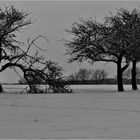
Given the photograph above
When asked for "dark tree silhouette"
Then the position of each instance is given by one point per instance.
(12, 21)
(94, 42)
(34, 67)
(131, 23)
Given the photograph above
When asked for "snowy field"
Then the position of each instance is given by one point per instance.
(97, 111)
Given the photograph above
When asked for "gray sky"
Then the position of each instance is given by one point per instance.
(53, 17)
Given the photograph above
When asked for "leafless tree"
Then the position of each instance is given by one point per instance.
(35, 68)
(12, 21)
(130, 22)
(99, 74)
(82, 74)
(93, 41)
(15, 54)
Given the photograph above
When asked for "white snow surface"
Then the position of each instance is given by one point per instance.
(97, 112)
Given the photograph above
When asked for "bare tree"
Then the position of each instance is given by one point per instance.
(12, 21)
(94, 42)
(131, 23)
(34, 67)
(82, 74)
(99, 74)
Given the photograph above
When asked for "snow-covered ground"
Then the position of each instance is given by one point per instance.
(97, 111)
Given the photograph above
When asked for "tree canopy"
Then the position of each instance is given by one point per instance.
(116, 40)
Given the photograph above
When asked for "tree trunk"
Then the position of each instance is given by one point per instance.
(134, 79)
(119, 77)
(1, 89)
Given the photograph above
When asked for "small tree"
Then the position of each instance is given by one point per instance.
(82, 74)
(99, 74)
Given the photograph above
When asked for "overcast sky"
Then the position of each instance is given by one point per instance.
(53, 17)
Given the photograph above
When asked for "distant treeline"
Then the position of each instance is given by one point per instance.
(90, 77)
(108, 81)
